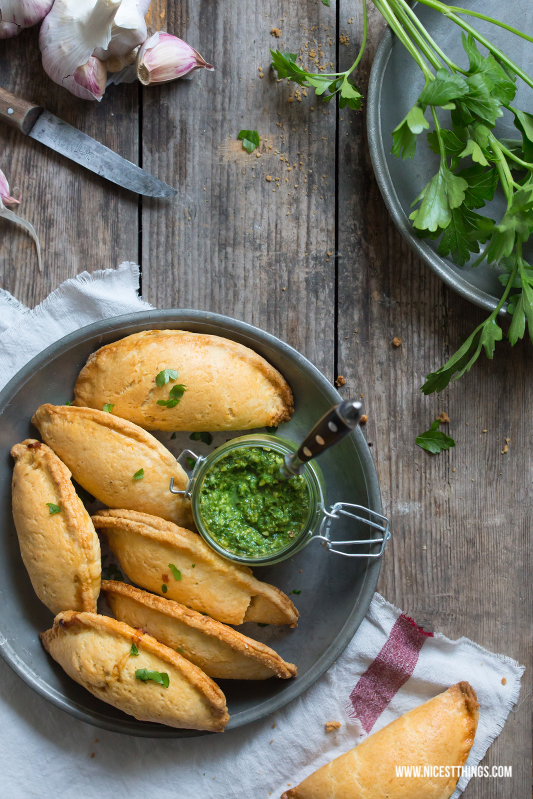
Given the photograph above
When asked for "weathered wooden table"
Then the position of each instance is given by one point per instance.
(312, 257)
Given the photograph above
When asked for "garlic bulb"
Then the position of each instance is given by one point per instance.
(164, 57)
(128, 31)
(70, 34)
(18, 14)
(7, 202)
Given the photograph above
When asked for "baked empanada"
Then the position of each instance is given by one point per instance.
(438, 733)
(149, 549)
(226, 386)
(218, 650)
(135, 673)
(58, 542)
(106, 455)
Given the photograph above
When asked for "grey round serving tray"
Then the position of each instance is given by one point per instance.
(395, 83)
(335, 591)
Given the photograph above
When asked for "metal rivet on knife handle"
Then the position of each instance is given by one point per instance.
(19, 114)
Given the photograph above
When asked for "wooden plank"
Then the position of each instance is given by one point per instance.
(83, 221)
(460, 560)
(233, 241)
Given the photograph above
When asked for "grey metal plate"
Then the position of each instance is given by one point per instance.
(395, 83)
(335, 591)
(71, 142)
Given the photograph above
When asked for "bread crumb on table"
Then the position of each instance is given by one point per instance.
(340, 381)
(332, 725)
(504, 680)
(275, 32)
(364, 419)
(396, 341)
(443, 417)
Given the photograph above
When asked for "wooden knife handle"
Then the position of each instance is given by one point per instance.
(18, 113)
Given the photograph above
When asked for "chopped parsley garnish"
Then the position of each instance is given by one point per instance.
(175, 394)
(161, 678)
(112, 573)
(173, 436)
(108, 407)
(134, 651)
(139, 475)
(433, 440)
(54, 508)
(176, 572)
(205, 438)
(68, 402)
(193, 565)
(166, 375)
(180, 650)
(261, 624)
(164, 588)
(294, 591)
(250, 139)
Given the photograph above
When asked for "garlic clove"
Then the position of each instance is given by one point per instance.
(18, 14)
(89, 81)
(8, 30)
(7, 200)
(164, 57)
(129, 30)
(69, 35)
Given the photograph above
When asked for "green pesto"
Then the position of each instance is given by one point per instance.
(247, 508)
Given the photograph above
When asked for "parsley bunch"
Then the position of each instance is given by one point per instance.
(473, 161)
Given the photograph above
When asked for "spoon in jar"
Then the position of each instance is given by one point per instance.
(332, 428)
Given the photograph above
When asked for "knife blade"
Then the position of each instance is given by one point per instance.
(38, 124)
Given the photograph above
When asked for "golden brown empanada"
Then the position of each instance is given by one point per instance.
(111, 659)
(60, 548)
(227, 386)
(146, 546)
(218, 650)
(438, 733)
(104, 453)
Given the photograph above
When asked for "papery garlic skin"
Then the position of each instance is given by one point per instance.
(164, 57)
(128, 31)
(7, 201)
(18, 14)
(69, 36)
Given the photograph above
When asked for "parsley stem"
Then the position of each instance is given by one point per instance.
(388, 14)
(478, 15)
(439, 136)
(407, 11)
(363, 40)
(446, 10)
(511, 155)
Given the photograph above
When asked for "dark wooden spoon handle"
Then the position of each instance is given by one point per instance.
(18, 113)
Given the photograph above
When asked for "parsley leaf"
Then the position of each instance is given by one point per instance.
(433, 440)
(134, 651)
(250, 139)
(112, 573)
(139, 475)
(444, 192)
(176, 572)
(68, 402)
(404, 135)
(164, 588)
(206, 438)
(161, 678)
(295, 592)
(444, 88)
(175, 394)
(326, 3)
(167, 374)
(53, 508)
(108, 407)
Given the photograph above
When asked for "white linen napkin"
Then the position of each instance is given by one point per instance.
(390, 666)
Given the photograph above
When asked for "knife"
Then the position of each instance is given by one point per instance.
(38, 124)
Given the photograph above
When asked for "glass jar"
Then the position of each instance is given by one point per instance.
(318, 522)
